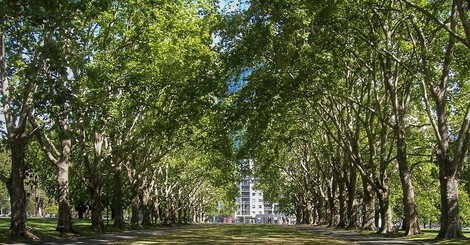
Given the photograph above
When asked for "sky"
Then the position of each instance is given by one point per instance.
(230, 6)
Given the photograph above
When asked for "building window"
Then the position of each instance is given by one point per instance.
(254, 194)
(260, 194)
(260, 212)
(260, 206)
(253, 212)
(260, 200)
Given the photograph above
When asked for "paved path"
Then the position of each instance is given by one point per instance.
(356, 237)
(347, 235)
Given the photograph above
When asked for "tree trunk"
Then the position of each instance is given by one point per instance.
(411, 215)
(96, 215)
(319, 216)
(95, 183)
(167, 212)
(409, 204)
(450, 217)
(117, 198)
(342, 209)
(135, 207)
(65, 217)
(180, 214)
(146, 221)
(156, 210)
(173, 212)
(62, 167)
(386, 225)
(18, 223)
(352, 201)
(331, 202)
(298, 210)
(309, 212)
(368, 214)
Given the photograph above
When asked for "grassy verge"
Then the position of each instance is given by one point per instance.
(430, 234)
(235, 234)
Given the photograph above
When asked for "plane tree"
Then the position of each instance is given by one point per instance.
(442, 45)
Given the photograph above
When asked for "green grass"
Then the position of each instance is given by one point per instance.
(235, 234)
(430, 235)
(45, 229)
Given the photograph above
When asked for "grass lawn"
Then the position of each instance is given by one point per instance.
(430, 234)
(45, 228)
(236, 234)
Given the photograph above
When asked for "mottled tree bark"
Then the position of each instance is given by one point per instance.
(146, 209)
(352, 201)
(331, 202)
(117, 198)
(342, 208)
(135, 207)
(386, 225)
(95, 181)
(450, 217)
(18, 224)
(62, 167)
(65, 217)
(96, 214)
(368, 214)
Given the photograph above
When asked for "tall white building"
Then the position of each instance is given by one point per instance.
(251, 206)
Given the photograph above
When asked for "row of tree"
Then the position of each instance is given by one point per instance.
(113, 93)
(345, 104)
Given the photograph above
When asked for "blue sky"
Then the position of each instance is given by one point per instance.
(230, 6)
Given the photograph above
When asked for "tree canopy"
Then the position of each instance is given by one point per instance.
(350, 110)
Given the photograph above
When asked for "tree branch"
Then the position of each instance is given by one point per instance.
(46, 144)
(464, 18)
(463, 140)
(441, 24)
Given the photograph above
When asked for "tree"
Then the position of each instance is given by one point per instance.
(66, 61)
(437, 67)
(22, 46)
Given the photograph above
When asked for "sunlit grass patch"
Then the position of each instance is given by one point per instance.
(45, 229)
(431, 234)
(233, 234)
(40, 227)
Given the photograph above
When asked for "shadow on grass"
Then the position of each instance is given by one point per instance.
(45, 229)
(234, 234)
